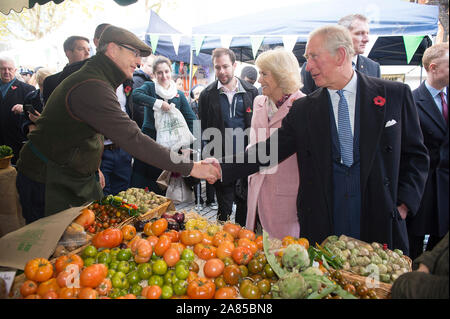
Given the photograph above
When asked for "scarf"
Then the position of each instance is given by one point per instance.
(168, 93)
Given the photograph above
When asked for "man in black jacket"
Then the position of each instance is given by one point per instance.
(141, 75)
(227, 105)
(358, 26)
(12, 94)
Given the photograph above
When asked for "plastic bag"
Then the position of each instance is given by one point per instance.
(178, 191)
(172, 130)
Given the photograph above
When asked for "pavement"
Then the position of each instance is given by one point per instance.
(205, 211)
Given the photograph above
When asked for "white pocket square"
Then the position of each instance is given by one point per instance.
(390, 123)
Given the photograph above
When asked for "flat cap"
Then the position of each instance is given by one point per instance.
(122, 36)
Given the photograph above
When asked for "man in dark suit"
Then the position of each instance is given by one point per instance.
(431, 99)
(358, 26)
(361, 156)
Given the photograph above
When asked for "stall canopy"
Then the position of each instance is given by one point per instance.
(17, 5)
(169, 42)
(400, 27)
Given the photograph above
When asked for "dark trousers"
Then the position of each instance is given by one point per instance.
(145, 175)
(210, 193)
(32, 198)
(416, 245)
(116, 167)
(225, 197)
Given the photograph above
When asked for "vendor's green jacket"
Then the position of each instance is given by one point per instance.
(64, 151)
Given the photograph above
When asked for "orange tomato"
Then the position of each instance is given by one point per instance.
(225, 249)
(46, 286)
(38, 269)
(88, 293)
(232, 229)
(287, 240)
(144, 248)
(86, 218)
(50, 295)
(63, 261)
(226, 293)
(128, 232)
(153, 292)
(259, 242)
(246, 233)
(222, 236)
(148, 229)
(66, 277)
(153, 240)
(105, 287)
(304, 242)
(69, 293)
(207, 239)
(173, 235)
(93, 275)
(171, 256)
(141, 260)
(29, 287)
(245, 242)
(33, 296)
(207, 252)
(162, 245)
(213, 268)
(108, 238)
(192, 276)
(133, 244)
(191, 237)
(201, 288)
(178, 246)
(232, 274)
(159, 226)
(242, 255)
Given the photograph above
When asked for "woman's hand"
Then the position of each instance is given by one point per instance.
(34, 117)
(165, 106)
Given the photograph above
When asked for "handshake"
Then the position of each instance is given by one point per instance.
(208, 169)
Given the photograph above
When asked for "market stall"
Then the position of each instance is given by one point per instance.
(135, 245)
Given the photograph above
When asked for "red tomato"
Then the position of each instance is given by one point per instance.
(242, 255)
(213, 268)
(108, 238)
(201, 288)
(232, 229)
(245, 233)
(153, 292)
(162, 245)
(29, 287)
(226, 293)
(171, 256)
(93, 275)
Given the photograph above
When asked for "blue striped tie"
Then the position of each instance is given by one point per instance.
(345, 130)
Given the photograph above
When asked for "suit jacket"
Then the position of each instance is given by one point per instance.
(363, 65)
(393, 158)
(432, 217)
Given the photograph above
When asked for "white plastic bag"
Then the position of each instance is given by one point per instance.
(178, 191)
(172, 130)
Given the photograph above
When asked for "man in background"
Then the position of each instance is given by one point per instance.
(142, 74)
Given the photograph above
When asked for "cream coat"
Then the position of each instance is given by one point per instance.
(274, 192)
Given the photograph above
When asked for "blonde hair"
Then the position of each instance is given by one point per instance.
(434, 52)
(335, 37)
(42, 73)
(283, 66)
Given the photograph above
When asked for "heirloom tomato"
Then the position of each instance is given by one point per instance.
(222, 236)
(242, 255)
(232, 229)
(226, 293)
(128, 232)
(162, 245)
(153, 292)
(38, 269)
(201, 288)
(63, 261)
(159, 226)
(29, 287)
(49, 285)
(246, 233)
(171, 256)
(231, 274)
(87, 293)
(245, 242)
(108, 238)
(93, 275)
(191, 237)
(213, 268)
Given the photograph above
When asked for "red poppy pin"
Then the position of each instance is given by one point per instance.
(249, 110)
(13, 87)
(379, 100)
(127, 90)
(178, 95)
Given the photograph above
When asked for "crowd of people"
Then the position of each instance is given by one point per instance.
(328, 148)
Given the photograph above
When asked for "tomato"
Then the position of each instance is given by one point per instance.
(128, 232)
(38, 269)
(231, 274)
(133, 277)
(120, 281)
(178, 246)
(193, 266)
(29, 287)
(67, 277)
(191, 237)
(180, 287)
(222, 236)
(153, 240)
(93, 276)
(104, 257)
(105, 287)
(129, 296)
(259, 242)
(213, 268)
(181, 271)
(33, 296)
(173, 235)
(225, 249)
(250, 291)
(242, 255)
(232, 229)
(192, 276)
(156, 280)
(207, 239)
(246, 233)
(153, 292)
(69, 293)
(144, 271)
(220, 282)
(228, 261)
(187, 254)
(108, 238)
(269, 271)
(159, 267)
(201, 288)
(49, 285)
(62, 262)
(226, 293)
(264, 286)
(255, 266)
(287, 240)
(89, 251)
(162, 245)
(148, 229)
(205, 252)
(86, 218)
(171, 257)
(88, 293)
(123, 255)
(304, 242)
(50, 295)
(158, 227)
(244, 270)
(133, 244)
(245, 242)
(144, 249)
(166, 292)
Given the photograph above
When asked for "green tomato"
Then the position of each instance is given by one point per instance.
(119, 280)
(89, 251)
(113, 265)
(187, 254)
(269, 271)
(123, 291)
(103, 258)
(167, 292)
(111, 273)
(114, 293)
(133, 265)
(133, 277)
(181, 271)
(156, 280)
(89, 261)
(144, 271)
(159, 267)
(170, 277)
(180, 287)
(182, 262)
(136, 289)
(124, 254)
(124, 267)
(155, 257)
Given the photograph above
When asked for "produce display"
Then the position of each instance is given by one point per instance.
(142, 198)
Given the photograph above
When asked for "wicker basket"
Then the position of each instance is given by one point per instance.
(5, 161)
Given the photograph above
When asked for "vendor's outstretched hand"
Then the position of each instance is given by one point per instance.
(205, 170)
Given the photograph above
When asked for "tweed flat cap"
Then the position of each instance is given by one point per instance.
(122, 36)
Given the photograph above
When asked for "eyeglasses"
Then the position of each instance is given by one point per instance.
(137, 54)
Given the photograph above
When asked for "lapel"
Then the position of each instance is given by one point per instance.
(284, 109)
(371, 123)
(428, 105)
(10, 90)
(360, 65)
(318, 124)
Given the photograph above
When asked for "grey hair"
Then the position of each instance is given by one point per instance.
(7, 59)
(347, 21)
(335, 37)
(102, 48)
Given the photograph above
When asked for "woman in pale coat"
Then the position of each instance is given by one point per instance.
(272, 194)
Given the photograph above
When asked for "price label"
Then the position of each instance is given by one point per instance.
(8, 277)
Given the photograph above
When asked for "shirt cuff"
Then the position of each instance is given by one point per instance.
(157, 105)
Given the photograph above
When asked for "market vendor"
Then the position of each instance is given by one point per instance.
(58, 164)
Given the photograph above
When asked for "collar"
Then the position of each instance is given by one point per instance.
(283, 99)
(108, 67)
(434, 91)
(238, 88)
(355, 60)
(351, 86)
